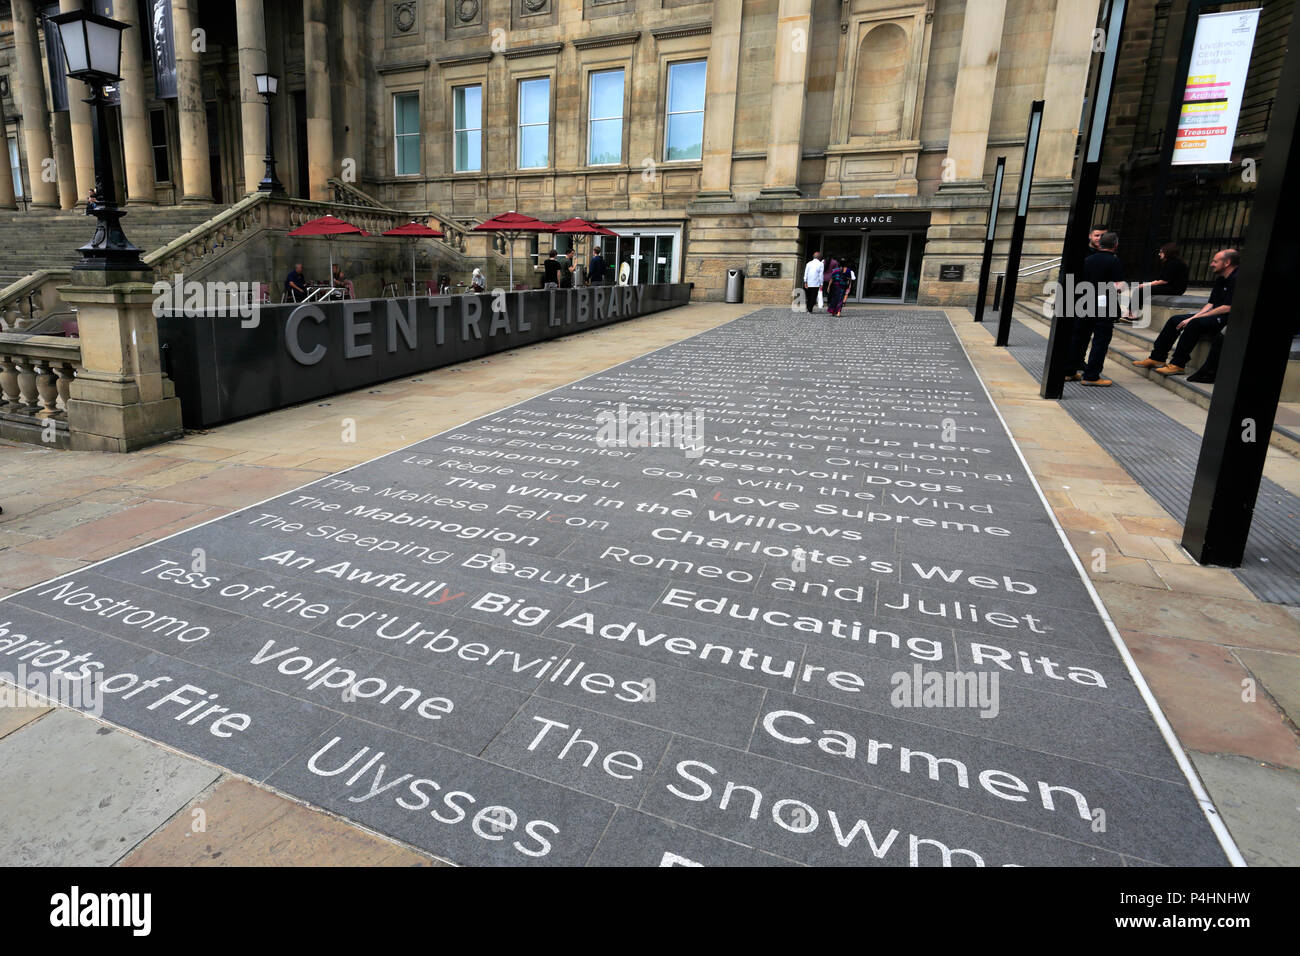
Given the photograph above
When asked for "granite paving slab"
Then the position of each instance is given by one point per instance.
(780, 593)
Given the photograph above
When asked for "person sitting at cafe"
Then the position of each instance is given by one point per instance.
(1171, 279)
(343, 282)
(477, 282)
(295, 284)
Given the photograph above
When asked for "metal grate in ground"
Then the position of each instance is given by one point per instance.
(1161, 454)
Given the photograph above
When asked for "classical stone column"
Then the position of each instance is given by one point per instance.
(30, 94)
(972, 101)
(120, 400)
(7, 198)
(137, 144)
(720, 102)
(83, 136)
(196, 173)
(64, 165)
(320, 126)
(251, 25)
(1063, 89)
(789, 80)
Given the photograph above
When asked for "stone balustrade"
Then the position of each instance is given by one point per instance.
(31, 297)
(36, 375)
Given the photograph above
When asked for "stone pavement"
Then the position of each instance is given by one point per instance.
(1224, 665)
(208, 816)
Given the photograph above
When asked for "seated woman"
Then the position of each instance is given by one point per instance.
(477, 282)
(1171, 279)
(341, 281)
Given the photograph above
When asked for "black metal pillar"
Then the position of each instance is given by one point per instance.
(1007, 308)
(1075, 248)
(1257, 344)
(986, 263)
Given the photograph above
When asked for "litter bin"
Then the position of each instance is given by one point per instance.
(735, 285)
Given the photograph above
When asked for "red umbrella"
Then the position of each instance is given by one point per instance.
(325, 226)
(581, 227)
(512, 225)
(329, 227)
(415, 231)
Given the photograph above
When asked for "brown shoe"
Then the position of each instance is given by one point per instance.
(1097, 381)
(1147, 363)
(1073, 378)
(1170, 370)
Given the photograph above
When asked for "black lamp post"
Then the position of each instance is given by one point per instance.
(92, 52)
(268, 85)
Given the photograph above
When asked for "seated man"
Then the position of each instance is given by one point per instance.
(295, 284)
(1208, 320)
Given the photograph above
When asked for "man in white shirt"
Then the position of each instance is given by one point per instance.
(812, 281)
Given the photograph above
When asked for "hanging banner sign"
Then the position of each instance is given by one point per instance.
(1216, 79)
(54, 60)
(162, 48)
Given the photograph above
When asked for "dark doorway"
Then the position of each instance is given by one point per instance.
(300, 142)
(214, 152)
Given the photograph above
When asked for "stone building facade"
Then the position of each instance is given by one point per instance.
(710, 134)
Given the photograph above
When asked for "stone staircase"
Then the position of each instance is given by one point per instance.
(1130, 343)
(49, 239)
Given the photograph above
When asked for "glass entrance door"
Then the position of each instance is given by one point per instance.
(650, 257)
(847, 251)
(884, 271)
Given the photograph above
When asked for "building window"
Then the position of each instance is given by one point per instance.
(684, 128)
(406, 134)
(534, 123)
(162, 167)
(468, 109)
(15, 169)
(605, 119)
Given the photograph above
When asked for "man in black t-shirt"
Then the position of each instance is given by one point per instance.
(1209, 320)
(1103, 277)
(551, 275)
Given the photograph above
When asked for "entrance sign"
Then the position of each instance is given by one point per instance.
(833, 625)
(1216, 80)
(865, 219)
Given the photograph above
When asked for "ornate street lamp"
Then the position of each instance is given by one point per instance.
(92, 52)
(268, 85)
